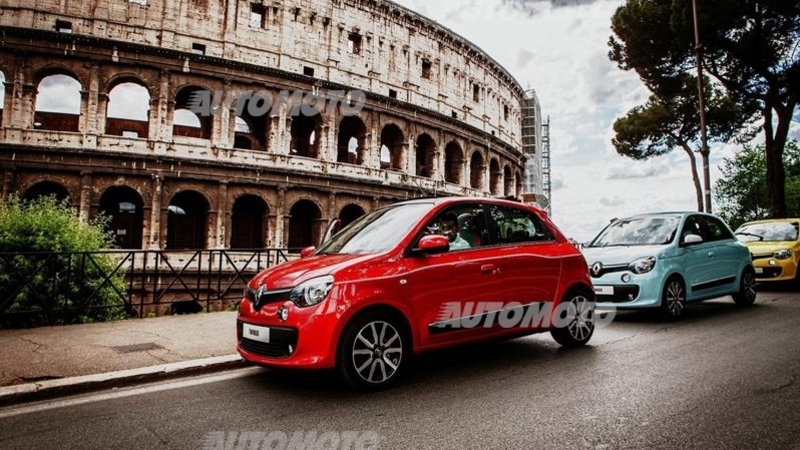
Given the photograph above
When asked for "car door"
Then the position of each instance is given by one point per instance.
(531, 263)
(726, 255)
(453, 292)
(697, 259)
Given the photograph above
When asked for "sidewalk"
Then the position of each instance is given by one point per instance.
(47, 361)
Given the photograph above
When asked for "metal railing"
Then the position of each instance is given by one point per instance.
(48, 288)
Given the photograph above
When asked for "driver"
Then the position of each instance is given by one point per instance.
(448, 227)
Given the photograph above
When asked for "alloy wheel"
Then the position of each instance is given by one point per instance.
(675, 298)
(580, 315)
(377, 352)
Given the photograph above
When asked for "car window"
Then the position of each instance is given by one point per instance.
(768, 231)
(692, 226)
(377, 231)
(638, 230)
(464, 225)
(715, 230)
(514, 225)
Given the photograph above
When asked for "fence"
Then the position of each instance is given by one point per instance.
(49, 288)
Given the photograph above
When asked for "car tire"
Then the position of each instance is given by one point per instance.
(673, 298)
(373, 352)
(574, 324)
(746, 295)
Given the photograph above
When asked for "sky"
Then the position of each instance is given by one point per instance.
(559, 48)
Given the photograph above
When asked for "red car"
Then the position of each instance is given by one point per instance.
(415, 276)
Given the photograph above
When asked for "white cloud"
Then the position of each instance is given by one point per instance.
(59, 93)
(637, 169)
(128, 101)
(615, 201)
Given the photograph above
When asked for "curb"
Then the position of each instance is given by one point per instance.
(73, 385)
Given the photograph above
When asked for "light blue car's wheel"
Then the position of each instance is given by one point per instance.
(747, 288)
(673, 299)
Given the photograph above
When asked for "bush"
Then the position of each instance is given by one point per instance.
(48, 273)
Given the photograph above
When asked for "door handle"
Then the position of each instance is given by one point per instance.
(710, 254)
(488, 268)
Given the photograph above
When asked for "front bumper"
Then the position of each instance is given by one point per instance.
(305, 340)
(771, 269)
(642, 291)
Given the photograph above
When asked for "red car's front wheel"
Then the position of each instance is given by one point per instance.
(373, 351)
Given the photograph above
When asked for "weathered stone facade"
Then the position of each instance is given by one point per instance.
(439, 116)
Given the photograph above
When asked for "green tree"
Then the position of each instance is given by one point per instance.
(48, 264)
(742, 193)
(668, 120)
(751, 48)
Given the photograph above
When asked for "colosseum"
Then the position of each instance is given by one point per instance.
(98, 109)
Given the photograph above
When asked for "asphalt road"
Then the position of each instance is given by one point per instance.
(721, 378)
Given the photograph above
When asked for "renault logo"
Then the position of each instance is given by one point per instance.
(596, 269)
(260, 293)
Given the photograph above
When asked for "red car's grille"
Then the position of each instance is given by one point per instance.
(283, 342)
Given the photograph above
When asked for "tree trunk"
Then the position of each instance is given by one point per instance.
(774, 144)
(695, 177)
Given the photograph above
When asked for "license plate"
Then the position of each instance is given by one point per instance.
(604, 290)
(255, 333)
(759, 270)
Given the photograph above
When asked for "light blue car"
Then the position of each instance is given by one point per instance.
(666, 260)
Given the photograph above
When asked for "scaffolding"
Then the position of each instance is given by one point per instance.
(536, 148)
(546, 164)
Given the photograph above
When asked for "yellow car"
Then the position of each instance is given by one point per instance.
(775, 248)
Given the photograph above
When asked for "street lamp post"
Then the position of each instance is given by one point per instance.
(704, 153)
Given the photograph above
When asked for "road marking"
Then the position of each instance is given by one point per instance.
(47, 405)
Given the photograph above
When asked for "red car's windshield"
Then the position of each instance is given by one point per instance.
(377, 231)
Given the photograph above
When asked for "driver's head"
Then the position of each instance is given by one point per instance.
(449, 226)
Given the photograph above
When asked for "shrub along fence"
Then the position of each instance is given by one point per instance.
(54, 288)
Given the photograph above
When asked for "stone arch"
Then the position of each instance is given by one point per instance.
(186, 122)
(453, 163)
(306, 134)
(47, 188)
(476, 170)
(252, 130)
(118, 78)
(392, 141)
(125, 208)
(495, 177)
(57, 106)
(304, 217)
(508, 181)
(425, 153)
(128, 108)
(249, 222)
(352, 139)
(349, 213)
(187, 221)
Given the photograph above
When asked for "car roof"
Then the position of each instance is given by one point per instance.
(668, 213)
(788, 219)
(510, 201)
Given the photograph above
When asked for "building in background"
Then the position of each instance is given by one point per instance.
(98, 109)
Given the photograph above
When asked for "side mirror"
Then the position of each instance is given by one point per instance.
(308, 251)
(432, 244)
(690, 239)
